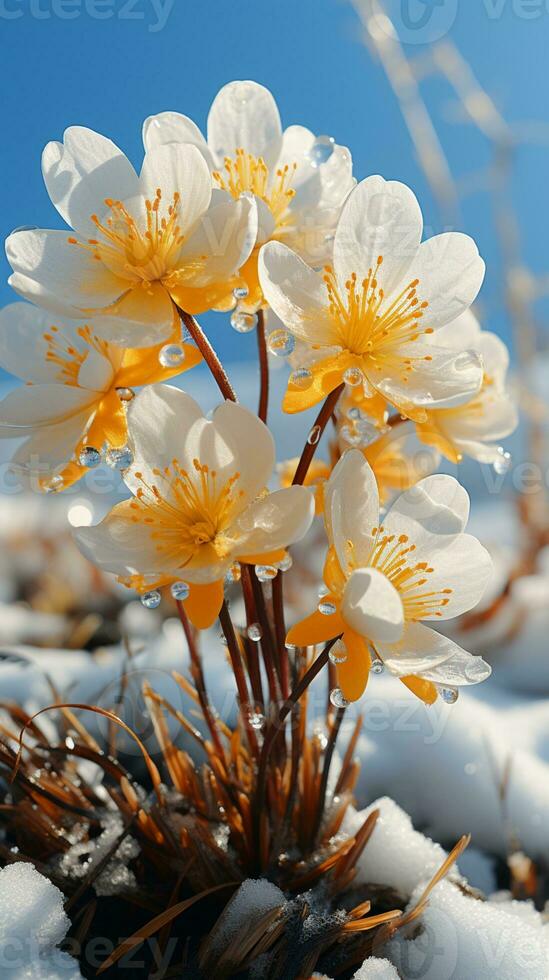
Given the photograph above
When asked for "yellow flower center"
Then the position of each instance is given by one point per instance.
(248, 174)
(194, 510)
(365, 325)
(67, 358)
(142, 252)
(393, 555)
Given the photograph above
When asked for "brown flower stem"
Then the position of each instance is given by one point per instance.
(276, 727)
(322, 420)
(250, 645)
(208, 354)
(238, 670)
(280, 631)
(200, 682)
(328, 755)
(255, 601)
(263, 367)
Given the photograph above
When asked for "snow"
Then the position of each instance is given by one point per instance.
(32, 925)
(462, 938)
(374, 969)
(254, 898)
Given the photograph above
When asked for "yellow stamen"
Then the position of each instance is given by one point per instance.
(248, 174)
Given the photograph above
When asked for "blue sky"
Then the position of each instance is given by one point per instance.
(111, 73)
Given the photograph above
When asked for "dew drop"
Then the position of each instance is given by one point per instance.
(281, 343)
(243, 322)
(55, 484)
(503, 463)
(301, 378)
(125, 394)
(254, 632)
(449, 694)
(119, 459)
(266, 573)
(353, 377)
(234, 574)
(338, 653)
(337, 698)
(240, 292)
(90, 457)
(314, 435)
(172, 355)
(377, 666)
(256, 720)
(151, 600)
(321, 150)
(326, 607)
(286, 563)
(180, 591)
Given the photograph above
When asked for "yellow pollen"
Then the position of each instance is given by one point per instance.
(248, 174)
(366, 324)
(394, 558)
(187, 510)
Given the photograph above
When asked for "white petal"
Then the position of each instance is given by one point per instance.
(81, 172)
(244, 114)
(461, 564)
(36, 406)
(143, 318)
(96, 372)
(274, 521)
(420, 649)
(120, 545)
(226, 234)
(379, 218)
(459, 670)
(437, 505)
(172, 127)
(372, 606)
(463, 333)
(178, 168)
(450, 272)
(22, 346)
(351, 508)
(250, 447)
(57, 275)
(51, 447)
(448, 378)
(296, 293)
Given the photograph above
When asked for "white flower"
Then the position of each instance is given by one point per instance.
(386, 578)
(373, 312)
(71, 399)
(199, 501)
(140, 242)
(475, 428)
(299, 181)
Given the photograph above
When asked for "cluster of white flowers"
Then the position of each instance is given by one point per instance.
(375, 322)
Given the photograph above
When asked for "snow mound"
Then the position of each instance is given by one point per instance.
(32, 924)
(396, 855)
(254, 899)
(461, 937)
(375, 969)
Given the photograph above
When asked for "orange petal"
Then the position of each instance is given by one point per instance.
(316, 628)
(352, 675)
(327, 375)
(268, 558)
(207, 298)
(109, 424)
(204, 604)
(142, 367)
(423, 690)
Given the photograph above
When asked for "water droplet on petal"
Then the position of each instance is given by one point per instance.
(151, 600)
(256, 720)
(353, 377)
(240, 292)
(301, 378)
(449, 694)
(337, 698)
(90, 457)
(286, 563)
(234, 574)
(503, 463)
(55, 484)
(355, 414)
(254, 632)
(281, 343)
(314, 435)
(119, 459)
(243, 322)
(172, 355)
(326, 607)
(125, 394)
(377, 666)
(180, 591)
(338, 654)
(266, 573)
(321, 150)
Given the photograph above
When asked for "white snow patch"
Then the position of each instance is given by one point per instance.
(374, 969)
(251, 902)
